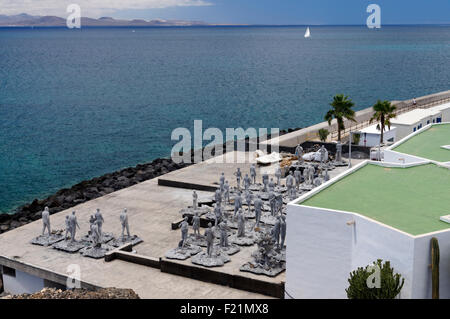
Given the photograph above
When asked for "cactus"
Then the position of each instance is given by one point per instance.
(435, 268)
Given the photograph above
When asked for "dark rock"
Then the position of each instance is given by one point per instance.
(15, 224)
(36, 216)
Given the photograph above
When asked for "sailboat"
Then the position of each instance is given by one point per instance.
(307, 33)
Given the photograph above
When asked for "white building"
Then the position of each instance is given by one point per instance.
(414, 120)
(377, 210)
(329, 238)
(444, 109)
(370, 136)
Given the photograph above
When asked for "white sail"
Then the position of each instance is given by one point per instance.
(307, 33)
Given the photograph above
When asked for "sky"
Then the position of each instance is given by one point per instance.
(278, 12)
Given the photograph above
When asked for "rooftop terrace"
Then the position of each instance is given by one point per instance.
(428, 144)
(409, 199)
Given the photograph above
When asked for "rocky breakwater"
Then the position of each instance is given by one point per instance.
(87, 190)
(96, 187)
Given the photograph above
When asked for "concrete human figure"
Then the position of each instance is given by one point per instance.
(299, 152)
(282, 230)
(317, 181)
(226, 192)
(248, 199)
(67, 224)
(247, 182)
(258, 204)
(311, 173)
(238, 175)
(217, 215)
(223, 228)
(271, 185)
(218, 197)
(276, 231)
(279, 204)
(237, 203)
(278, 175)
(222, 181)
(326, 176)
(184, 232)
(124, 222)
(273, 203)
(253, 173)
(194, 200)
(46, 221)
(265, 181)
(297, 177)
(95, 233)
(196, 224)
(100, 220)
(73, 226)
(290, 181)
(209, 236)
(323, 154)
(241, 224)
(338, 152)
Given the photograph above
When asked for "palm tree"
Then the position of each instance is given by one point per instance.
(384, 112)
(342, 108)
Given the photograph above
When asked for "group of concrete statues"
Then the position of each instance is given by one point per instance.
(247, 181)
(279, 232)
(96, 223)
(71, 226)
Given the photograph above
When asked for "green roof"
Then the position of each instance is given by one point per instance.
(409, 199)
(428, 144)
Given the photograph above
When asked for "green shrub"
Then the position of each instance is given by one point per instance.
(389, 284)
(323, 134)
(355, 138)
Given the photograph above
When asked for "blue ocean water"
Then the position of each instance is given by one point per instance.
(75, 104)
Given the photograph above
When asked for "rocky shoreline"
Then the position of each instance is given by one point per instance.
(93, 188)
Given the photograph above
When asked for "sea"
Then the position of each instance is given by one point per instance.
(79, 103)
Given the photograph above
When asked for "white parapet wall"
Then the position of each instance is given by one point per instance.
(325, 245)
(391, 156)
(19, 282)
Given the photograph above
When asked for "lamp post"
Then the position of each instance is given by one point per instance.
(350, 151)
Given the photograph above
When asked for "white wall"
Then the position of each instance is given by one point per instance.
(318, 255)
(422, 260)
(373, 139)
(373, 240)
(22, 283)
(394, 157)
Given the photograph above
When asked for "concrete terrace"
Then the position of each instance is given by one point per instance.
(409, 199)
(428, 144)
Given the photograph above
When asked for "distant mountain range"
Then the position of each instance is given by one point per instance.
(24, 19)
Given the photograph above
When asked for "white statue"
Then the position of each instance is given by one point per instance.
(73, 226)
(196, 224)
(258, 204)
(100, 220)
(278, 174)
(298, 177)
(194, 200)
(253, 173)
(46, 221)
(124, 222)
(209, 236)
(227, 192)
(238, 175)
